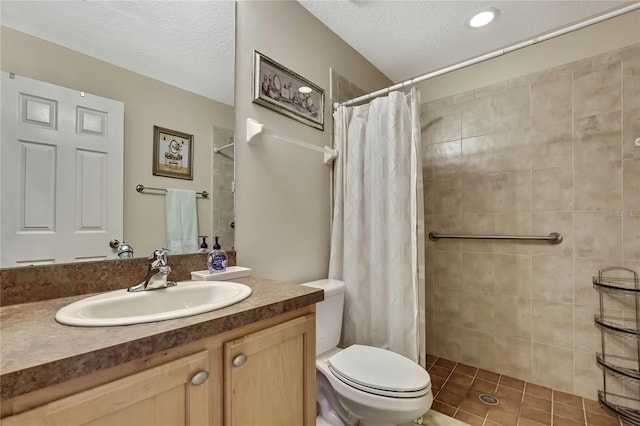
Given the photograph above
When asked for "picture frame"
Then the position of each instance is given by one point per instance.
(282, 90)
(172, 153)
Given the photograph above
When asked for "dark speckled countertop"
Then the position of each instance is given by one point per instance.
(37, 352)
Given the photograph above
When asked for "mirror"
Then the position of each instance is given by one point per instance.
(171, 64)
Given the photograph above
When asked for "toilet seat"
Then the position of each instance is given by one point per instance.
(380, 372)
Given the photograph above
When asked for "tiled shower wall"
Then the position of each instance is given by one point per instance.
(223, 195)
(548, 152)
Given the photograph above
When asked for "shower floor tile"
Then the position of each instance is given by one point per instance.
(457, 388)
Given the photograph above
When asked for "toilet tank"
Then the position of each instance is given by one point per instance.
(328, 313)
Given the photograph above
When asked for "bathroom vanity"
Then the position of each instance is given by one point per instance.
(252, 363)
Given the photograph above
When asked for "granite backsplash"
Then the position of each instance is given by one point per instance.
(36, 283)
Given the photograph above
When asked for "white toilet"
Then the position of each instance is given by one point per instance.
(362, 384)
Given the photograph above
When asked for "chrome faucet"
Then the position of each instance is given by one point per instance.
(156, 277)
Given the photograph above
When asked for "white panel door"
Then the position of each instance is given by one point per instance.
(62, 174)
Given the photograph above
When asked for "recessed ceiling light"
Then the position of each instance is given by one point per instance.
(483, 18)
(305, 89)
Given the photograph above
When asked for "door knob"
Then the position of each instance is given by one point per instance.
(239, 360)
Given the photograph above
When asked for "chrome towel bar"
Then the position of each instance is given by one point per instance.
(553, 238)
(142, 188)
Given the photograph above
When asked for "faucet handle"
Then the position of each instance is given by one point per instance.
(159, 257)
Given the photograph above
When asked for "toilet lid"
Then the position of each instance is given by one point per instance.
(380, 371)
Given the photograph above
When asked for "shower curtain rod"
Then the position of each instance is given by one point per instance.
(490, 55)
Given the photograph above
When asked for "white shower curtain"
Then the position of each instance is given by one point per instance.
(377, 239)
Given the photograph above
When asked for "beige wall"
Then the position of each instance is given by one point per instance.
(147, 102)
(282, 194)
(550, 151)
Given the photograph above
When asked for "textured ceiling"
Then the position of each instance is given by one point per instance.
(404, 39)
(189, 44)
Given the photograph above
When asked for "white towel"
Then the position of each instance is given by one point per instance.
(182, 221)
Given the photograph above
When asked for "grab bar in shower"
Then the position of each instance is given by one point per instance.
(553, 238)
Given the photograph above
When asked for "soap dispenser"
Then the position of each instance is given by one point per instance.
(204, 247)
(217, 260)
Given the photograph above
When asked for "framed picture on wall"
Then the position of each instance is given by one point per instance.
(282, 90)
(172, 153)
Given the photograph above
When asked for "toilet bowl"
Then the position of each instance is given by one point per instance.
(362, 384)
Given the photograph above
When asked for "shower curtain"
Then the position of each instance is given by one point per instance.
(377, 236)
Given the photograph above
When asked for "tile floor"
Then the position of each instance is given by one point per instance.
(456, 389)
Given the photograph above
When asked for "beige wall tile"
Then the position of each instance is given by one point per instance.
(630, 132)
(552, 144)
(552, 323)
(562, 70)
(551, 100)
(588, 336)
(512, 191)
(492, 90)
(587, 375)
(447, 341)
(631, 224)
(514, 357)
(631, 80)
(447, 124)
(597, 138)
(512, 150)
(478, 349)
(428, 264)
(553, 367)
(446, 224)
(428, 196)
(447, 306)
(477, 224)
(477, 117)
(628, 52)
(553, 189)
(533, 155)
(631, 184)
(427, 153)
(427, 123)
(585, 270)
(477, 272)
(598, 186)
(447, 159)
(477, 193)
(512, 224)
(447, 195)
(513, 317)
(511, 109)
(477, 154)
(597, 91)
(552, 278)
(429, 297)
(513, 275)
(478, 311)
(447, 268)
(598, 235)
(544, 223)
(430, 343)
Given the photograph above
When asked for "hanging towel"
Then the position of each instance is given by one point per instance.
(182, 221)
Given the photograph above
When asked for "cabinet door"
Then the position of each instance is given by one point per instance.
(270, 376)
(163, 395)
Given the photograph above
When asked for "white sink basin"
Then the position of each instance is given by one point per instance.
(121, 307)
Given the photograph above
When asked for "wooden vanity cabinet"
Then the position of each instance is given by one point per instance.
(161, 395)
(262, 374)
(270, 376)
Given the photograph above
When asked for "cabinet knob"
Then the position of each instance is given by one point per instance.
(199, 378)
(239, 360)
